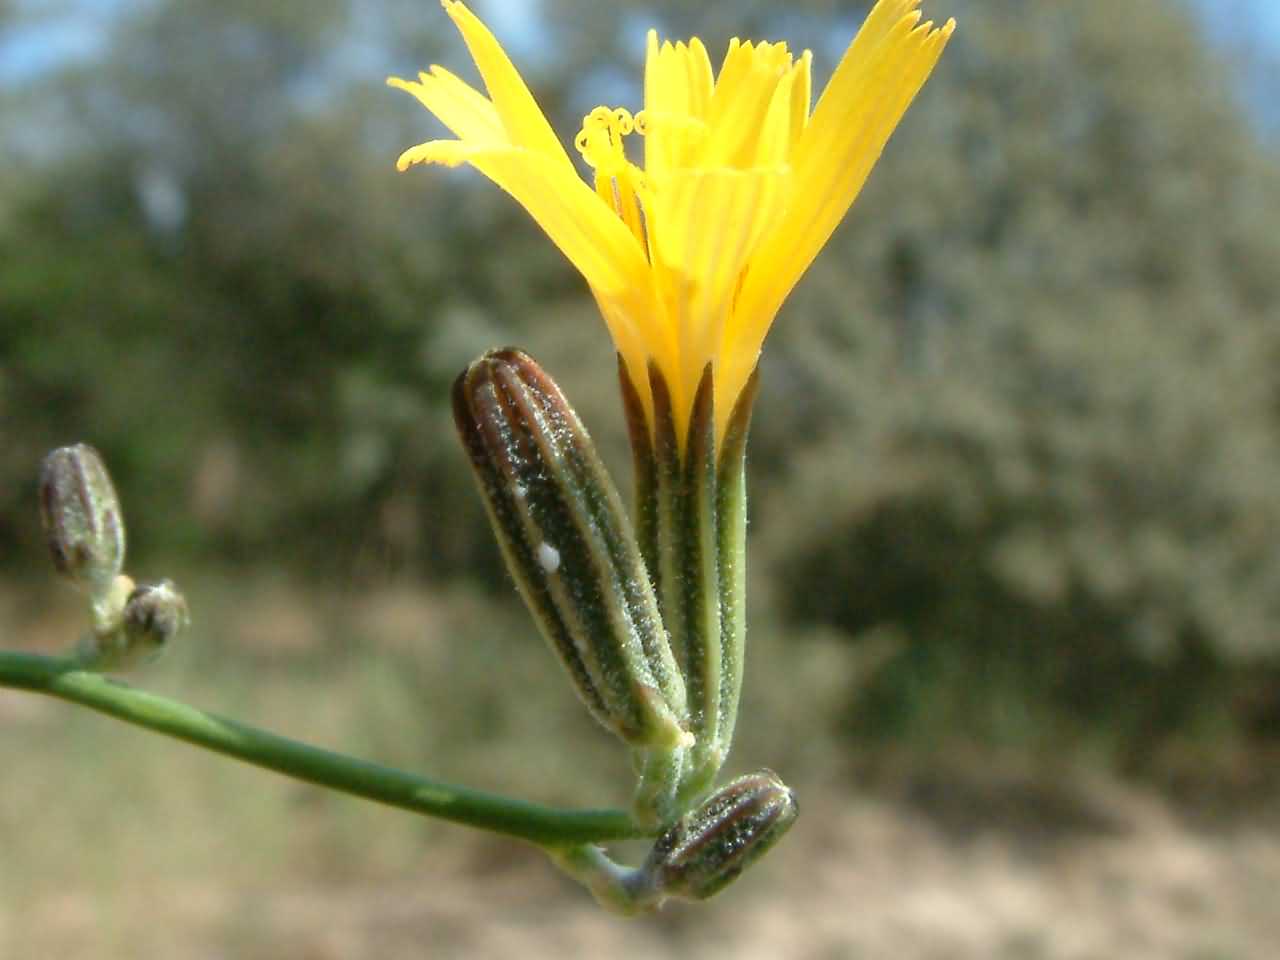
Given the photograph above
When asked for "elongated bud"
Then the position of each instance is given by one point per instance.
(568, 544)
(706, 850)
(82, 518)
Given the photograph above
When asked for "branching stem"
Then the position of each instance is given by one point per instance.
(546, 826)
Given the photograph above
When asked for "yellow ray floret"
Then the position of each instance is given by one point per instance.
(691, 256)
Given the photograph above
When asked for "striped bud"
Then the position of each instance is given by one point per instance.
(704, 851)
(153, 616)
(82, 518)
(570, 548)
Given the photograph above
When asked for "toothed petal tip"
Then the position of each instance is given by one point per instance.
(442, 152)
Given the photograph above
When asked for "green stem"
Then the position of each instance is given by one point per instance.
(546, 826)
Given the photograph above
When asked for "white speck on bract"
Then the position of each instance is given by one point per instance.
(520, 491)
(549, 557)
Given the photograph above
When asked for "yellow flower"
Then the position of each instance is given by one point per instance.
(690, 257)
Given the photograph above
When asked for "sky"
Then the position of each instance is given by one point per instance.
(1236, 19)
(58, 33)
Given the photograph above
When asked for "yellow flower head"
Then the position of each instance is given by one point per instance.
(691, 255)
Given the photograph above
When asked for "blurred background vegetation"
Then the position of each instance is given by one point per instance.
(1015, 460)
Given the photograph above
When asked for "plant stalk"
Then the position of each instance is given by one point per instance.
(62, 677)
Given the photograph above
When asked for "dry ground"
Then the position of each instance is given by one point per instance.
(114, 844)
(861, 879)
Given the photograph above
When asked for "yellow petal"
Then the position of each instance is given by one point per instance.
(459, 106)
(636, 345)
(699, 80)
(522, 118)
(678, 86)
(743, 92)
(585, 230)
(831, 162)
(773, 138)
(706, 225)
(884, 16)
(800, 93)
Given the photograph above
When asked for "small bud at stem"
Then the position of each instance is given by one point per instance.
(706, 850)
(154, 615)
(151, 616)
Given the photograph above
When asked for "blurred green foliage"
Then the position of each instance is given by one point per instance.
(1018, 426)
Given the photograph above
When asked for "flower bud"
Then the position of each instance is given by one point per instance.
(704, 851)
(82, 518)
(567, 542)
(152, 616)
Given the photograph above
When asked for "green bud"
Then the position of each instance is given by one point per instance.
(704, 851)
(82, 518)
(570, 548)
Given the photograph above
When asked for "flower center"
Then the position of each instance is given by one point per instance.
(600, 139)
(619, 182)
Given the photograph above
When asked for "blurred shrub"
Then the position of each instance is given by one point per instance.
(1022, 413)
(1054, 470)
